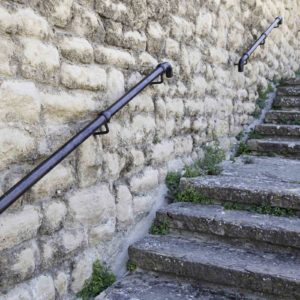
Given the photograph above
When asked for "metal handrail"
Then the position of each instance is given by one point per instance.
(46, 166)
(261, 41)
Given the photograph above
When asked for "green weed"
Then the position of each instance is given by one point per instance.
(100, 280)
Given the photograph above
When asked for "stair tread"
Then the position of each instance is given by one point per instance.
(217, 262)
(246, 190)
(222, 255)
(142, 285)
(272, 168)
(215, 219)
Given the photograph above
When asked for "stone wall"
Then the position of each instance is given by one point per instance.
(61, 63)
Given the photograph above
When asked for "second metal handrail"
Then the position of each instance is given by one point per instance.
(261, 41)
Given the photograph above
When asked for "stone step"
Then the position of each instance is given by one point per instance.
(283, 117)
(286, 102)
(214, 220)
(277, 146)
(293, 81)
(245, 190)
(220, 263)
(278, 130)
(142, 285)
(292, 90)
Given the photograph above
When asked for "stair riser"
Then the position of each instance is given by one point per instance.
(275, 148)
(283, 118)
(293, 132)
(294, 81)
(287, 102)
(218, 228)
(245, 196)
(293, 90)
(214, 274)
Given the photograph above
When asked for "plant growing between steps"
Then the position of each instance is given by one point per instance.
(208, 165)
(131, 266)
(160, 228)
(100, 280)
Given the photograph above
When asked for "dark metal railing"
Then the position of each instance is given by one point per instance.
(93, 128)
(261, 41)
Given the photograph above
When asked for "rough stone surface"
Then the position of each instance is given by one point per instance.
(64, 61)
(215, 220)
(272, 273)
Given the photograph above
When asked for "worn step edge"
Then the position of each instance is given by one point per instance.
(278, 130)
(282, 117)
(292, 90)
(289, 148)
(215, 220)
(145, 285)
(219, 263)
(250, 191)
(286, 102)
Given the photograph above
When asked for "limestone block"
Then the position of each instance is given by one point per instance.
(58, 11)
(124, 206)
(114, 32)
(77, 49)
(195, 107)
(112, 165)
(65, 107)
(59, 179)
(115, 84)
(86, 23)
(71, 240)
(204, 23)
(111, 56)
(181, 29)
(143, 126)
(7, 51)
(142, 204)
(54, 215)
(39, 61)
(218, 56)
(19, 227)
(183, 145)
(24, 263)
(30, 24)
(112, 9)
(147, 61)
(18, 293)
(156, 37)
(81, 272)
(142, 103)
(144, 182)
(172, 48)
(103, 232)
(135, 40)
(19, 101)
(137, 157)
(43, 288)
(163, 151)
(16, 145)
(82, 77)
(92, 205)
(7, 22)
(61, 284)
(174, 107)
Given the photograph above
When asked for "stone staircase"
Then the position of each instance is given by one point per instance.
(281, 131)
(242, 241)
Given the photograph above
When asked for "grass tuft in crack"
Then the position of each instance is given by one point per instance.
(160, 228)
(100, 280)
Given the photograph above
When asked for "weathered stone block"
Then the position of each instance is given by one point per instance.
(142, 204)
(65, 107)
(113, 56)
(103, 232)
(43, 288)
(7, 22)
(82, 77)
(92, 205)
(7, 51)
(124, 206)
(77, 49)
(145, 181)
(19, 227)
(30, 24)
(115, 84)
(54, 214)
(61, 284)
(16, 145)
(39, 61)
(163, 151)
(19, 101)
(57, 180)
